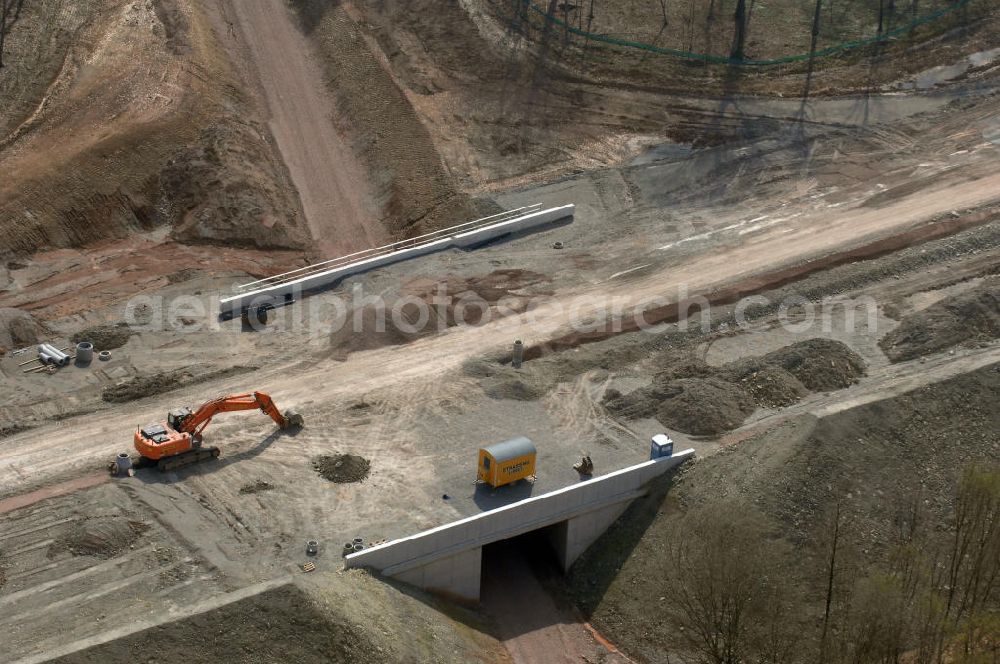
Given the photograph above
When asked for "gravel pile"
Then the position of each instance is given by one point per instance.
(342, 468)
(693, 397)
(821, 365)
(974, 315)
(104, 337)
(703, 406)
(769, 385)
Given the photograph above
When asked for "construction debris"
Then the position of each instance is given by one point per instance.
(585, 466)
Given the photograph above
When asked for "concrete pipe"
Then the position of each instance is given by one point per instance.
(84, 352)
(123, 465)
(49, 359)
(49, 354)
(104, 355)
(518, 355)
(61, 357)
(312, 548)
(348, 549)
(359, 547)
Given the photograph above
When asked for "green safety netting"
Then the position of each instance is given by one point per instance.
(721, 59)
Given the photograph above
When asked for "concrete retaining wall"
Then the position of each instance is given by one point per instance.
(278, 294)
(447, 558)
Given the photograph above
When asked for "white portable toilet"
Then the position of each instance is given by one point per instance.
(661, 446)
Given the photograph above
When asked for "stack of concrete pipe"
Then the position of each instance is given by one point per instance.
(49, 354)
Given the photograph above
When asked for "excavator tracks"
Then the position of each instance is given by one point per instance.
(187, 459)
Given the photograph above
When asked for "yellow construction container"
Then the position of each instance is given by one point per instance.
(507, 462)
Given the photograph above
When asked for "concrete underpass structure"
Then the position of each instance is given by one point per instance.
(448, 559)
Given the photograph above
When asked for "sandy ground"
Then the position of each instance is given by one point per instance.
(738, 216)
(339, 206)
(413, 414)
(221, 539)
(776, 245)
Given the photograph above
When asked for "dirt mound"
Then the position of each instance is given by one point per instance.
(491, 287)
(769, 385)
(820, 364)
(515, 389)
(257, 486)
(973, 315)
(227, 190)
(19, 329)
(476, 300)
(141, 386)
(277, 626)
(703, 406)
(677, 364)
(149, 385)
(450, 302)
(100, 537)
(478, 367)
(104, 337)
(634, 405)
(694, 397)
(342, 468)
(371, 327)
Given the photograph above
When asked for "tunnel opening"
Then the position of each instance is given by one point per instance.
(536, 551)
(517, 574)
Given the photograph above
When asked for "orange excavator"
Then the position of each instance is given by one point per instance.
(178, 441)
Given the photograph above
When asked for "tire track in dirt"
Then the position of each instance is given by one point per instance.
(53, 449)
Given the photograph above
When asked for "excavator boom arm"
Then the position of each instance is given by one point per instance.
(197, 422)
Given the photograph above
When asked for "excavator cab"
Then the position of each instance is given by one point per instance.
(176, 417)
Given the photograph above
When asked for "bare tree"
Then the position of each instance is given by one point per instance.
(974, 557)
(739, 30)
(876, 628)
(691, 25)
(727, 589)
(934, 598)
(830, 577)
(4, 9)
(815, 26)
(663, 26)
(663, 11)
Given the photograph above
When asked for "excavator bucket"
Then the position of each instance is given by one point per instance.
(293, 419)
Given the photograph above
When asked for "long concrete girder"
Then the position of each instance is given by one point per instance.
(278, 290)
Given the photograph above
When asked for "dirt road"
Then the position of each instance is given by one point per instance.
(332, 185)
(35, 456)
(532, 627)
